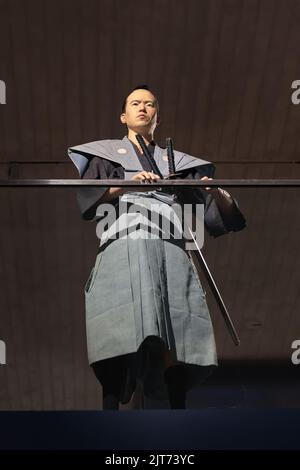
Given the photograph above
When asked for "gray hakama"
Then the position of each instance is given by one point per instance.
(145, 294)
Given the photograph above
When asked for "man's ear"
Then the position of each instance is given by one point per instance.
(122, 118)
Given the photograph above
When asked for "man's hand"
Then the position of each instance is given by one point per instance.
(220, 190)
(207, 178)
(145, 176)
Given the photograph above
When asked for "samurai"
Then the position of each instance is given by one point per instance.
(147, 318)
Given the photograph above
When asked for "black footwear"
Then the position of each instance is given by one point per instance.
(176, 380)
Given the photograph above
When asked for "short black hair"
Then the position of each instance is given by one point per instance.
(139, 87)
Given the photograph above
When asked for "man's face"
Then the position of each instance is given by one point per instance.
(141, 111)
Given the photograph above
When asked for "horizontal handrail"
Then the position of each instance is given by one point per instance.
(232, 183)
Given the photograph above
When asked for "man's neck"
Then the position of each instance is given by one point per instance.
(148, 138)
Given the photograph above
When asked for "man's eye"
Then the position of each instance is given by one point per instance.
(150, 104)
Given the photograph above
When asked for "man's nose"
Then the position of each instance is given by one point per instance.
(142, 106)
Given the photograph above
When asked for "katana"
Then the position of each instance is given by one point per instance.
(199, 261)
(148, 156)
(170, 153)
(196, 256)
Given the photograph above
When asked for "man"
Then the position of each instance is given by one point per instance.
(146, 314)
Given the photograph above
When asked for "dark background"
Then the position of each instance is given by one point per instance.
(223, 71)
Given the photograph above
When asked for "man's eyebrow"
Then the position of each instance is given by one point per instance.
(146, 101)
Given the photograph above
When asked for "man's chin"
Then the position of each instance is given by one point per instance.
(143, 124)
(144, 127)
